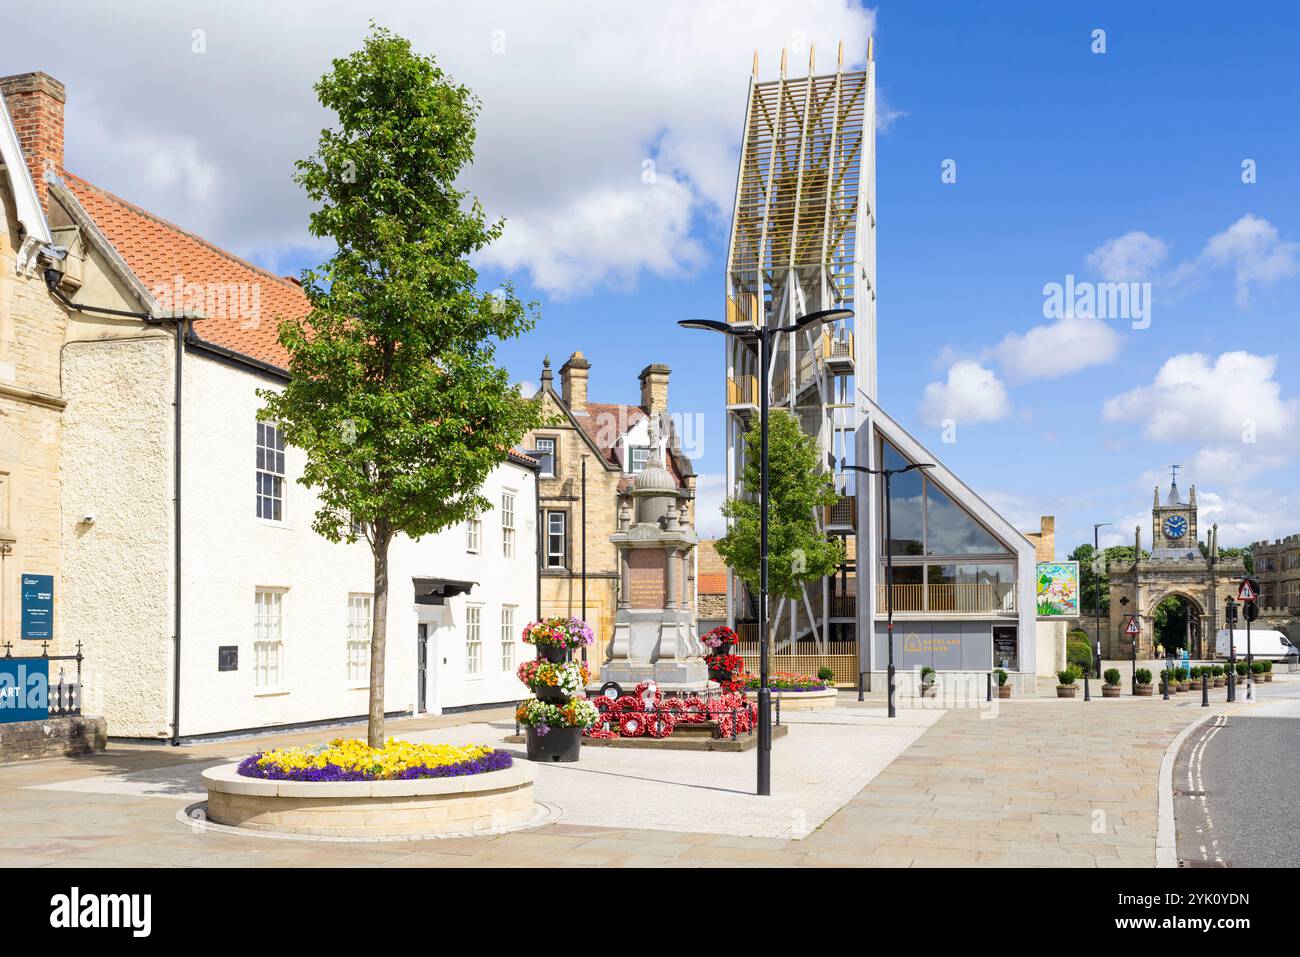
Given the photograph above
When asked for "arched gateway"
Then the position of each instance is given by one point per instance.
(1176, 568)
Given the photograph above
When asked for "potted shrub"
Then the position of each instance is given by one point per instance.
(1180, 675)
(826, 674)
(1267, 672)
(1257, 671)
(1111, 688)
(1066, 688)
(1004, 689)
(1142, 687)
(1170, 678)
(928, 689)
(1216, 672)
(1241, 669)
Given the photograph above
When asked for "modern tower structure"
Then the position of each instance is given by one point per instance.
(803, 239)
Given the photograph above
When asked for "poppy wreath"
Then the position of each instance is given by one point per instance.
(675, 706)
(724, 725)
(631, 724)
(660, 724)
(599, 731)
(693, 711)
(627, 703)
(602, 703)
(641, 690)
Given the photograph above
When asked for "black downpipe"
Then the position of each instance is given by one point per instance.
(52, 278)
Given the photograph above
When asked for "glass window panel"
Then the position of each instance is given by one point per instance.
(950, 531)
(907, 505)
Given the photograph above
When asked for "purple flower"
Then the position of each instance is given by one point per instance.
(542, 728)
(492, 761)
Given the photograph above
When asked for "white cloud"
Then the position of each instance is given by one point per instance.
(575, 98)
(1057, 349)
(1133, 257)
(1233, 398)
(1258, 254)
(710, 493)
(971, 393)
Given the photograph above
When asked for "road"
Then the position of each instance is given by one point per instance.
(1235, 782)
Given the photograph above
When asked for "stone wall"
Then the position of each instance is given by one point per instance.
(52, 738)
(32, 327)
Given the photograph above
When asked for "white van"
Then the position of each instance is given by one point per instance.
(1264, 643)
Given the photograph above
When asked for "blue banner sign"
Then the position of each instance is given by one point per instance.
(24, 689)
(38, 607)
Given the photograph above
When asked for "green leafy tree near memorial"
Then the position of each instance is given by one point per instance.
(798, 550)
(394, 393)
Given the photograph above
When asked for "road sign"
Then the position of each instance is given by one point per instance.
(38, 606)
(1248, 591)
(1132, 628)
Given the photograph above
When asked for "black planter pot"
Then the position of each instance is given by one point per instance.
(723, 649)
(558, 744)
(550, 694)
(553, 654)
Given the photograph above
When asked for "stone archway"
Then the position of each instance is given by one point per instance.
(1184, 622)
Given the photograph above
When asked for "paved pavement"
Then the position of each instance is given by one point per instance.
(1235, 782)
(1038, 782)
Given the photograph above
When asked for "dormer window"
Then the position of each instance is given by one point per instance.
(637, 457)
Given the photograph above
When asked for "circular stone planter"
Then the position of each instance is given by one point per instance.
(473, 802)
(801, 700)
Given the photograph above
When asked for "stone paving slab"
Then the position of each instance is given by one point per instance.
(1015, 789)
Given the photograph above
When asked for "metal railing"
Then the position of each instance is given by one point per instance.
(744, 310)
(64, 697)
(960, 599)
(840, 656)
(843, 513)
(742, 390)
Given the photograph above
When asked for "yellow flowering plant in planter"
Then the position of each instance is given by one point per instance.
(345, 759)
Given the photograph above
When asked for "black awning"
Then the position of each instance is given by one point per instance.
(434, 591)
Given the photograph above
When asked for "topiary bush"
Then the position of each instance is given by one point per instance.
(1002, 677)
(1078, 653)
(1066, 677)
(826, 674)
(1143, 676)
(1112, 677)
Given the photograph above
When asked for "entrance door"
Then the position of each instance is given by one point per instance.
(422, 668)
(1005, 650)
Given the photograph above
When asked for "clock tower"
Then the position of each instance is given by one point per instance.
(1173, 524)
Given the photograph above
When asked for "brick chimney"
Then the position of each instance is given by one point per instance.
(35, 102)
(654, 388)
(573, 381)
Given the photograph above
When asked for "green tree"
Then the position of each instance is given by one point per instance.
(394, 393)
(1232, 553)
(798, 550)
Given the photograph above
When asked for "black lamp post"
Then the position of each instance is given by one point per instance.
(889, 562)
(1096, 585)
(1230, 616)
(765, 335)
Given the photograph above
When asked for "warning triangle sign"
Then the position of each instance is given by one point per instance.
(1247, 591)
(1132, 628)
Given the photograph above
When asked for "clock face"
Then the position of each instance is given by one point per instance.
(1175, 526)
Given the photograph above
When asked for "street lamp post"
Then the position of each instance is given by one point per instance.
(889, 562)
(1230, 616)
(1096, 586)
(765, 335)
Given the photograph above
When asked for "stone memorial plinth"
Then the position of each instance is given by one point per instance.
(654, 628)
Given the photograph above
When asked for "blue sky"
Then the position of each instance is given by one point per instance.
(1122, 164)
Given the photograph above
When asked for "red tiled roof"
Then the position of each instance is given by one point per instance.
(162, 254)
(711, 583)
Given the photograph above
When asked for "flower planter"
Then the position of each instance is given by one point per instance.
(1004, 691)
(1066, 691)
(823, 700)
(553, 653)
(550, 694)
(488, 802)
(558, 744)
(1143, 691)
(1110, 691)
(1266, 676)
(1218, 682)
(1184, 686)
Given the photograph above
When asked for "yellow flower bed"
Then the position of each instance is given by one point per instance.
(353, 754)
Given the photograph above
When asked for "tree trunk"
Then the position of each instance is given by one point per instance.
(378, 638)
